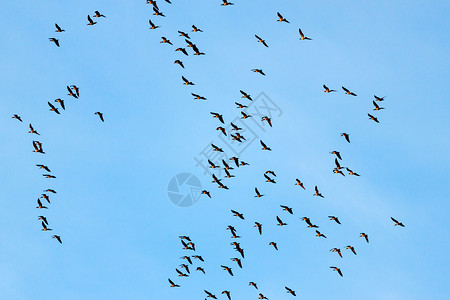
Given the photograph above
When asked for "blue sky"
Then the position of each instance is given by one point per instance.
(119, 228)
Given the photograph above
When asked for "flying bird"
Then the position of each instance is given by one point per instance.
(364, 236)
(319, 234)
(58, 238)
(267, 119)
(61, 102)
(327, 90)
(351, 248)
(165, 40)
(16, 117)
(40, 204)
(259, 226)
(350, 172)
(215, 148)
(225, 268)
(90, 21)
(258, 195)
(338, 154)
(186, 82)
(100, 115)
(317, 193)
(281, 19)
(337, 250)
(286, 208)
(52, 108)
(58, 29)
(182, 50)
(173, 284)
(298, 182)
(397, 222)
(376, 106)
(260, 40)
(43, 167)
(373, 118)
(274, 245)
(338, 270)
(219, 116)
(302, 36)
(280, 223)
(225, 3)
(236, 214)
(245, 95)
(198, 97)
(348, 92)
(264, 147)
(71, 93)
(98, 14)
(346, 136)
(56, 41)
(32, 130)
(179, 62)
(290, 291)
(333, 218)
(260, 71)
(195, 29)
(153, 26)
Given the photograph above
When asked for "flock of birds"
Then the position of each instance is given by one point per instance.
(234, 133)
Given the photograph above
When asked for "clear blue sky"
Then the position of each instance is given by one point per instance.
(118, 226)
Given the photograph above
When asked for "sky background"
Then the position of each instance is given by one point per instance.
(119, 228)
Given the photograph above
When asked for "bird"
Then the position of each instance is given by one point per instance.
(184, 237)
(173, 284)
(196, 51)
(373, 118)
(205, 192)
(189, 43)
(338, 165)
(238, 261)
(76, 89)
(351, 248)
(266, 118)
(222, 130)
(56, 41)
(90, 21)
(317, 192)
(218, 116)
(17, 117)
(239, 105)
(44, 227)
(258, 194)
(52, 108)
(209, 295)
(298, 182)
(43, 167)
(100, 115)
(333, 218)
(58, 238)
(50, 191)
(44, 219)
(157, 12)
(350, 172)
(186, 82)
(212, 165)
(338, 270)
(196, 29)
(236, 214)
(198, 257)
(228, 294)
(397, 222)
(196, 96)
(225, 3)
(290, 291)
(379, 98)
(225, 268)
(362, 234)
(32, 130)
(188, 259)
(236, 160)
(337, 250)
(215, 148)
(376, 106)
(179, 62)
(227, 167)
(260, 40)
(327, 90)
(45, 196)
(251, 283)
(153, 26)
(182, 50)
(319, 234)
(269, 179)
(61, 102)
(274, 245)
(337, 171)
(228, 175)
(183, 34)
(48, 176)
(40, 204)
(287, 208)
(264, 147)
(338, 154)
(271, 172)
(71, 93)
(302, 36)
(346, 136)
(245, 116)
(281, 19)
(58, 29)
(348, 92)
(98, 14)
(200, 269)
(181, 274)
(261, 296)
(260, 71)
(38, 147)
(165, 40)
(280, 223)
(186, 267)
(245, 95)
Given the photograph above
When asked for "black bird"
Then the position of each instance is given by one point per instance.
(71, 93)
(225, 3)
(348, 92)
(260, 40)
(56, 41)
(52, 108)
(302, 36)
(259, 225)
(153, 26)
(98, 14)
(333, 218)
(58, 29)
(258, 195)
(61, 102)
(280, 223)
(286, 208)
(264, 146)
(183, 34)
(215, 148)
(327, 90)
(32, 130)
(236, 214)
(376, 106)
(100, 115)
(43, 167)
(40, 204)
(219, 116)
(350, 172)
(245, 95)
(397, 222)
(338, 270)
(58, 238)
(195, 29)
(17, 117)
(289, 291)
(198, 97)
(186, 82)
(228, 269)
(281, 19)
(260, 71)
(338, 154)
(346, 136)
(317, 192)
(182, 50)
(173, 284)
(157, 12)
(373, 118)
(228, 294)
(44, 219)
(90, 21)
(209, 295)
(179, 62)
